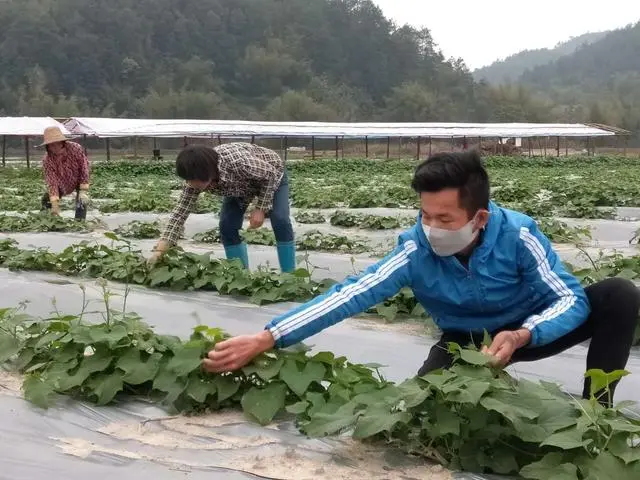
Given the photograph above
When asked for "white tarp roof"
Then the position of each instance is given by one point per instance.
(117, 127)
(28, 126)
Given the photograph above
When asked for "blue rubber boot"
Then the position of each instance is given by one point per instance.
(238, 251)
(287, 256)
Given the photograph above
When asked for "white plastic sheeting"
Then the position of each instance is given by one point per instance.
(116, 127)
(28, 126)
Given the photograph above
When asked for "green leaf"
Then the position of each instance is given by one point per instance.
(322, 424)
(111, 336)
(264, 404)
(98, 362)
(226, 386)
(601, 380)
(324, 357)
(136, 371)
(509, 405)
(474, 358)
(186, 360)
(567, 439)
(550, 467)
(370, 425)
(298, 379)
(606, 466)
(622, 425)
(444, 422)
(298, 408)
(265, 368)
(106, 387)
(9, 346)
(620, 446)
(199, 389)
(38, 392)
(471, 393)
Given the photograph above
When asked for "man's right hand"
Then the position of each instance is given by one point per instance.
(161, 247)
(55, 208)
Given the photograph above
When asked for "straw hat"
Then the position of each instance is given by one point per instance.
(53, 135)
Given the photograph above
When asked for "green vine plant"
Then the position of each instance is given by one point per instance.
(45, 222)
(471, 417)
(139, 230)
(179, 270)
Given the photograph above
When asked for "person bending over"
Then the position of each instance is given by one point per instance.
(240, 172)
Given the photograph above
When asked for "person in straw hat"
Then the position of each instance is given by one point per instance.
(66, 170)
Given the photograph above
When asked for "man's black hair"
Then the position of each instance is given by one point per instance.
(197, 162)
(461, 170)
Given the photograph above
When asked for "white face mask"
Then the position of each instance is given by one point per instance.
(449, 242)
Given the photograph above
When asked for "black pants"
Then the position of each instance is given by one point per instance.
(610, 326)
(81, 210)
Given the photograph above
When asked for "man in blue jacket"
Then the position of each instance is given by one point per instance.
(473, 266)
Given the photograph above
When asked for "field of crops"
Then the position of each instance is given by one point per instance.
(346, 214)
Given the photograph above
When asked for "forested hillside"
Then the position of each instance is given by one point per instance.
(276, 59)
(283, 60)
(512, 67)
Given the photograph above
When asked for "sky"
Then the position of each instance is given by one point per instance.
(482, 31)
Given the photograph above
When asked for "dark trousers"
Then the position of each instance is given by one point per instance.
(233, 211)
(81, 210)
(610, 326)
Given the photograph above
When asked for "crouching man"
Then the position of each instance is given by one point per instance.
(66, 170)
(473, 266)
(240, 172)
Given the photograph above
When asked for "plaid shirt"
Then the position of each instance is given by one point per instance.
(65, 172)
(246, 172)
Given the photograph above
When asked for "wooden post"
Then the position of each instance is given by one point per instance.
(185, 142)
(219, 140)
(135, 148)
(342, 147)
(588, 146)
(313, 147)
(480, 144)
(388, 146)
(418, 150)
(626, 142)
(430, 145)
(366, 147)
(108, 147)
(4, 150)
(253, 139)
(558, 146)
(84, 143)
(545, 147)
(26, 148)
(453, 147)
(337, 148)
(566, 147)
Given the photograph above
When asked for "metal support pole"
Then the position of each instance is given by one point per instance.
(566, 147)
(430, 145)
(84, 144)
(313, 147)
(336, 148)
(480, 143)
(135, 148)
(366, 147)
(342, 147)
(253, 139)
(626, 144)
(452, 145)
(388, 147)
(26, 148)
(185, 142)
(4, 150)
(418, 149)
(108, 147)
(286, 147)
(558, 147)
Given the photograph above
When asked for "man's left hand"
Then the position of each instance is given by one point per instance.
(256, 219)
(505, 344)
(83, 196)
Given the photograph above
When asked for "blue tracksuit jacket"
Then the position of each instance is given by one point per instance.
(513, 277)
